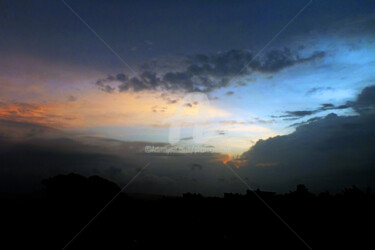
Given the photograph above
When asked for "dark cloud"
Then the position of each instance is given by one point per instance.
(168, 99)
(172, 101)
(206, 73)
(365, 102)
(261, 121)
(230, 63)
(277, 60)
(241, 62)
(305, 122)
(334, 151)
(299, 113)
(229, 93)
(26, 130)
(294, 115)
(317, 90)
(157, 108)
(103, 85)
(187, 138)
(148, 81)
(72, 98)
(25, 160)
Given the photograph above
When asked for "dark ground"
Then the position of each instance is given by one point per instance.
(50, 219)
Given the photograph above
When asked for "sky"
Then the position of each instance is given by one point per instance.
(279, 90)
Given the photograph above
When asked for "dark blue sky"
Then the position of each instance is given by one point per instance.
(141, 30)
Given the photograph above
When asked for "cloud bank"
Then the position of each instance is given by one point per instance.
(334, 151)
(207, 72)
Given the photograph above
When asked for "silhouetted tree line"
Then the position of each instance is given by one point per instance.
(52, 218)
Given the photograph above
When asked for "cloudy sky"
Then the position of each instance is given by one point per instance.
(287, 92)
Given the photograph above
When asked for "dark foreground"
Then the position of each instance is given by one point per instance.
(51, 219)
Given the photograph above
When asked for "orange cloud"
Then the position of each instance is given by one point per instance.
(95, 109)
(42, 114)
(226, 158)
